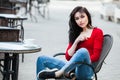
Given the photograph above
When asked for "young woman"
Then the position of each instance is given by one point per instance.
(85, 44)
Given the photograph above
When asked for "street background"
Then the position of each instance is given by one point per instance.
(51, 34)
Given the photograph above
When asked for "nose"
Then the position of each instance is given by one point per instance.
(80, 20)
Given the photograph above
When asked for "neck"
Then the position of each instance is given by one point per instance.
(85, 29)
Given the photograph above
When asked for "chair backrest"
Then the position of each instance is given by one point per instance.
(43, 1)
(107, 45)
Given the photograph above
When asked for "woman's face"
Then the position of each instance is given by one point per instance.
(81, 19)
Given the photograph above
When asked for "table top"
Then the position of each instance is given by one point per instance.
(7, 28)
(18, 47)
(13, 16)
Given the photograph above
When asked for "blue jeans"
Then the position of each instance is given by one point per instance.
(82, 72)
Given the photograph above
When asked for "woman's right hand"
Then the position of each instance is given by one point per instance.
(81, 37)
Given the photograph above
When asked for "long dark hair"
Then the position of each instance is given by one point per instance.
(74, 29)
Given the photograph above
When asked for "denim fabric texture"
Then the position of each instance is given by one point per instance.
(82, 72)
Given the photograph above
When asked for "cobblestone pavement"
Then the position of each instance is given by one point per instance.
(52, 35)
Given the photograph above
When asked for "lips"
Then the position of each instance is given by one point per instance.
(81, 24)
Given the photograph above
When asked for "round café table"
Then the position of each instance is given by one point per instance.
(15, 21)
(11, 61)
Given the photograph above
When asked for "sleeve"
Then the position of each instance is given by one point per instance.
(68, 57)
(98, 42)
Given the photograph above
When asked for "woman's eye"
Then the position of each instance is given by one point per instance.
(82, 16)
(76, 18)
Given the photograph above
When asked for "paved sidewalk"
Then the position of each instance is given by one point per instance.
(52, 35)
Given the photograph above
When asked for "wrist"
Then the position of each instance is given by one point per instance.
(76, 42)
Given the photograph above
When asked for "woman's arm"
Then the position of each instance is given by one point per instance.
(72, 47)
(98, 42)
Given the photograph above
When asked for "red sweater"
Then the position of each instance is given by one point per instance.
(92, 44)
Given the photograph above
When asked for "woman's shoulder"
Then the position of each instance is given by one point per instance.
(96, 29)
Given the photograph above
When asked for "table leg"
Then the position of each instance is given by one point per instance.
(15, 66)
(7, 64)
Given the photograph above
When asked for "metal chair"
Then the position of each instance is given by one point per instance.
(107, 45)
(42, 7)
